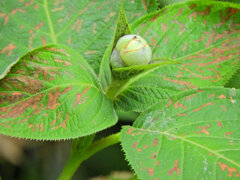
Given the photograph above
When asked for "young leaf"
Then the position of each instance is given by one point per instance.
(203, 37)
(122, 29)
(195, 134)
(127, 72)
(53, 93)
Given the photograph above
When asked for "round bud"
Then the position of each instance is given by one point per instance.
(131, 50)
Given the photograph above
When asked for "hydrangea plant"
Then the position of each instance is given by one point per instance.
(67, 66)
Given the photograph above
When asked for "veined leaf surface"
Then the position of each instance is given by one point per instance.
(86, 26)
(193, 135)
(53, 93)
(203, 37)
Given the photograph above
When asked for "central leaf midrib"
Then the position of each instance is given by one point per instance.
(49, 20)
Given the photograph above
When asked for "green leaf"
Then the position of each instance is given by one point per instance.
(86, 26)
(194, 134)
(138, 8)
(203, 37)
(53, 93)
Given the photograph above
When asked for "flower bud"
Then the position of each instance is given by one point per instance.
(131, 50)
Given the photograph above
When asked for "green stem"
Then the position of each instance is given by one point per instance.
(84, 150)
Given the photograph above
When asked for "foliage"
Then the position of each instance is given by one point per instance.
(56, 82)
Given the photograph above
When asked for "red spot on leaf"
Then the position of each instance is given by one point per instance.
(189, 97)
(166, 40)
(36, 6)
(144, 4)
(230, 170)
(139, 150)
(229, 13)
(35, 127)
(200, 76)
(192, 6)
(134, 145)
(154, 155)
(155, 17)
(41, 127)
(201, 39)
(210, 39)
(19, 108)
(155, 142)
(164, 27)
(222, 96)
(179, 74)
(185, 46)
(204, 130)
(184, 114)
(53, 97)
(153, 41)
(176, 105)
(145, 146)
(180, 11)
(63, 124)
(30, 125)
(5, 16)
(79, 97)
(223, 108)
(44, 41)
(53, 122)
(57, 50)
(185, 83)
(228, 133)
(28, 3)
(175, 168)
(17, 10)
(129, 131)
(202, 13)
(8, 48)
(207, 104)
(211, 95)
(16, 93)
(170, 103)
(150, 171)
(5, 125)
(219, 124)
(38, 26)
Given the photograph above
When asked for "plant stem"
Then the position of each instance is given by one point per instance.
(80, 153)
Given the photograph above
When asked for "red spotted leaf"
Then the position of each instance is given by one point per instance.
(86, 26)
(202, 37)
(52, 93)
(192, 135)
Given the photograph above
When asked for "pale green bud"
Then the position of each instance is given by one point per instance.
(131, 50)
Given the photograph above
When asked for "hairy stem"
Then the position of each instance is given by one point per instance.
(82, 149)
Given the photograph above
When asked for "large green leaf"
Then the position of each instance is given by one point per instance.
(52, 93)
(203, 37)
(86, 26)
(194, 135)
